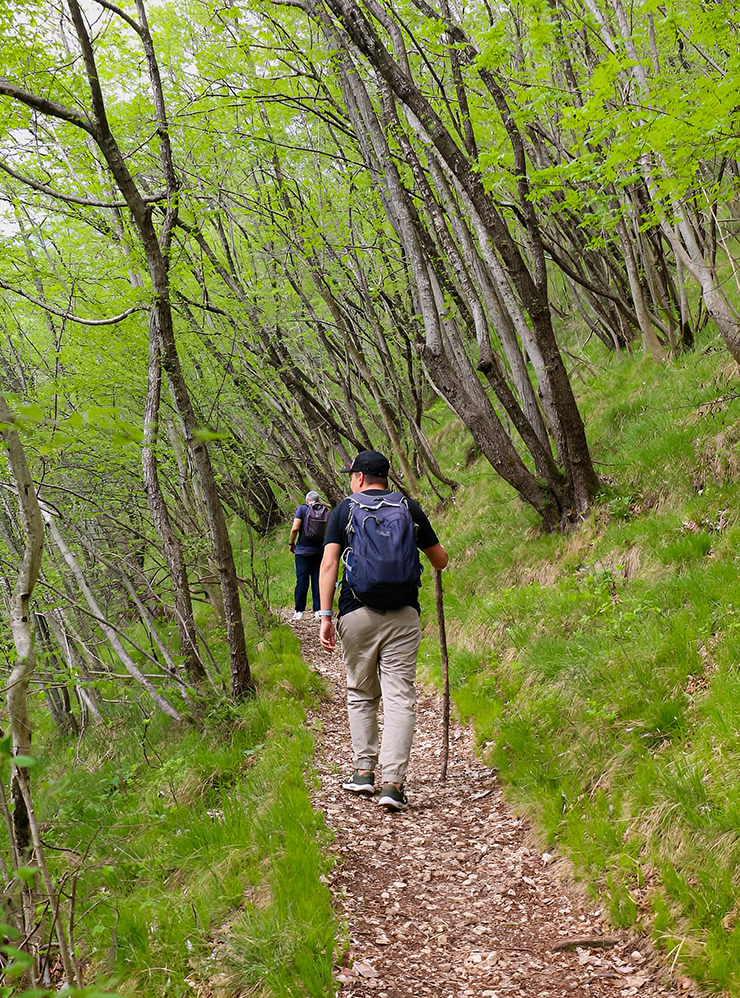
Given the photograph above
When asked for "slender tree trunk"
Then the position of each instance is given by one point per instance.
(25, 831)
(21, 619)
(58, 700)
(96, 611)
(465, 394)
(161, 327)
(650, 340)
(79, 660)
(171, 547)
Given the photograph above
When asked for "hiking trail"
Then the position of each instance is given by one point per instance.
(451, 897)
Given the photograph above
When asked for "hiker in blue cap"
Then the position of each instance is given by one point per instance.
(376, 534)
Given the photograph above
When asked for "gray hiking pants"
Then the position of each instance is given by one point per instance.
(380, 651)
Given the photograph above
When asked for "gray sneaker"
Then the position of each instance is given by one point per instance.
(394, 798)
(360, 783)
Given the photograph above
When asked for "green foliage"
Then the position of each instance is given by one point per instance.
(16, 962)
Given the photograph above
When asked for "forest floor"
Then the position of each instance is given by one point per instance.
(452, 897)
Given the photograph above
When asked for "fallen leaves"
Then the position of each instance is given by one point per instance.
(448, 899)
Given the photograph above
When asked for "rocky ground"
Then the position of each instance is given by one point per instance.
(451, 898)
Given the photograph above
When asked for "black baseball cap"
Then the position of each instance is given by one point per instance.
(369, 462)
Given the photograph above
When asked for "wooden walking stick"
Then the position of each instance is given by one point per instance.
(445, 673)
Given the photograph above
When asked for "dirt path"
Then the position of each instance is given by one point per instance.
(448, 898)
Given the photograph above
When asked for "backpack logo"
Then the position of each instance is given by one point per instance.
(381, 560)
(314, 523)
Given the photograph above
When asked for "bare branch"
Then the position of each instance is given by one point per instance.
(88, 202)
(75, 318)
(45, 106)
(122, 14)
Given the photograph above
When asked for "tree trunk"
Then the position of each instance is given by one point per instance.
(21, 620)
(110, 634)
(24, 827)
(171, 547)
(161, 326)
(466, 397)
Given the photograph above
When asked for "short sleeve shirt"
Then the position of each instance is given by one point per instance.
(336, 533)
(303, 546)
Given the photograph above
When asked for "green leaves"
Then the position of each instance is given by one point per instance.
(7, 757)
(27, 874)
(54, 435)
(23, 761)
(203, 435)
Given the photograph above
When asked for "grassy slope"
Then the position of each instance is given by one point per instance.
(600, 668)
(202, 863)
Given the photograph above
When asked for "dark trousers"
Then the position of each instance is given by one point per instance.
(307, 569)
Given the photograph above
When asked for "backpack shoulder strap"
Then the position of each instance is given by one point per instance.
(372, 502)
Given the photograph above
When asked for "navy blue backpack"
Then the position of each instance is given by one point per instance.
(381, 561)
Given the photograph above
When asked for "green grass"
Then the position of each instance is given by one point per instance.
(600, 668)
(201, 858)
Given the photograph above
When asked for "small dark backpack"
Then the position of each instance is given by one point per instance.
(381, 560)
(314, 523)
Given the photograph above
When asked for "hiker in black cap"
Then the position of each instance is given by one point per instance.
(376, 534)
(307, 544)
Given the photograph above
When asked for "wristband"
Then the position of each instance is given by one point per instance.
(324, 613)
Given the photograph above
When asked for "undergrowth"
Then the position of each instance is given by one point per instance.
(200, 859)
